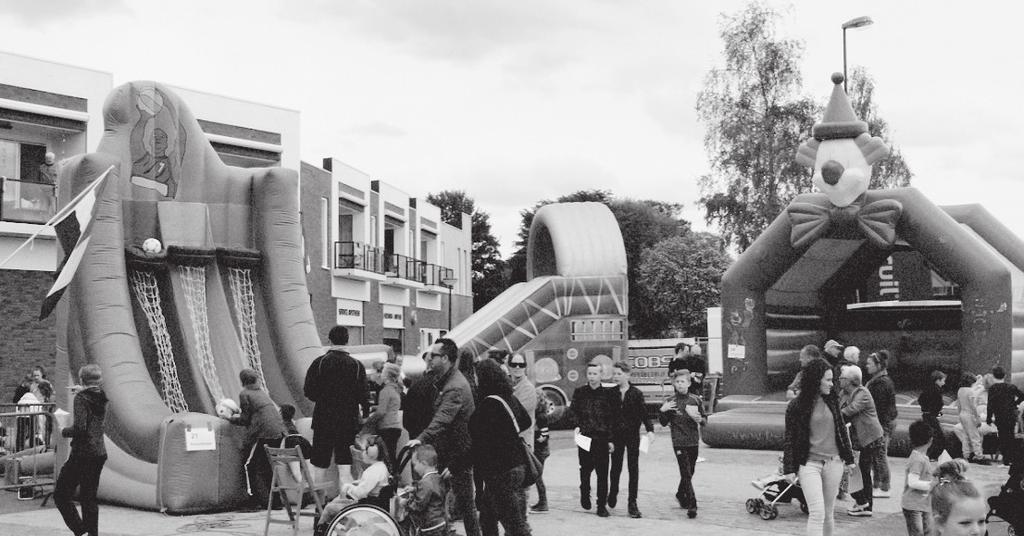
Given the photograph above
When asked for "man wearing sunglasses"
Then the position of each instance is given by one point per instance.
(524, 391)
(448, 430)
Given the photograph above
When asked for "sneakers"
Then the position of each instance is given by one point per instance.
(691, 513)
(602, 511)
(539, 508)
(881, 494)
(612, 500)
(860, 510)
(634, 512)
(585, 501)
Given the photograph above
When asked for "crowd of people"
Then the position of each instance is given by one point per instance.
(833, 414)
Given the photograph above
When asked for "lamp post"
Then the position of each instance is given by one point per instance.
(450, 283)
(858, 22)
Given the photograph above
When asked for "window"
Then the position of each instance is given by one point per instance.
(597, 329)
(28, 191)
(325, 228)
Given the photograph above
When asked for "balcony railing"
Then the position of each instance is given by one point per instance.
(435, 275)
(27, 201)
(358, 256)
(405, 267)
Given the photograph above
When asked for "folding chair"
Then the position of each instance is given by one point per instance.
(284, 481)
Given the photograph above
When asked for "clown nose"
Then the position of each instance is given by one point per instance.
(831, 171)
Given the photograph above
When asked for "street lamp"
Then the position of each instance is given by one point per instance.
(450, 283)
(858, 22)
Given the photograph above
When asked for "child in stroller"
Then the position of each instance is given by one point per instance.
(775, 489)
(1009, 504)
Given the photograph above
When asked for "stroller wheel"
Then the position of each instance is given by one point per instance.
(752, 506)
(769, 512)
(363, 518)
(803, 508)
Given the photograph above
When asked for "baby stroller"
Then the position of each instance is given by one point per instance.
(780, 490)
(1009, 504)
(374, 516)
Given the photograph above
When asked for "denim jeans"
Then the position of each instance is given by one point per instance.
(82, 472)
(462, 488)
(865, 495)
(918, 523)
(628, 445)
(881, 461)
(820, 483)
(504, 501)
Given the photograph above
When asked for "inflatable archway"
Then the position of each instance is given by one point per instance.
(172, 328)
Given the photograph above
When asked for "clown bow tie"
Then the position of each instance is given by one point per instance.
(876, 221)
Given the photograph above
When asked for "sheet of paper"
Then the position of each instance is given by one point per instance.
(645, 443)
(582, 441)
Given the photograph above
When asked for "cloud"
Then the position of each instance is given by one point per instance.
(41, 14)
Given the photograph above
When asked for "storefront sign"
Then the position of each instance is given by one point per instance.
(350, 312)
(393, 317)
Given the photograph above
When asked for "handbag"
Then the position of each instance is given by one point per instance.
(533, 467)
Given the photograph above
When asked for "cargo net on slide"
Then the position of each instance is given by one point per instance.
(240, 280)
(148, 295)
(194, 280)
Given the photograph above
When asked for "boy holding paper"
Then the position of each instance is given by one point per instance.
(626, 436)
(594, 407)
(683, 413)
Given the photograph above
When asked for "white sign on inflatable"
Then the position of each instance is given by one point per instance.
(199, 439)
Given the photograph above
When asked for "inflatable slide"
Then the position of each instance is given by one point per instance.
(572, 309)
(194, 271)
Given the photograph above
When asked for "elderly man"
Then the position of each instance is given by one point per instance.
(448, 430)
(833, 352)
(524, 392)
(858, 408)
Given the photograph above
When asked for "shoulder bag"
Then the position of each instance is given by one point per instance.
(533, 466)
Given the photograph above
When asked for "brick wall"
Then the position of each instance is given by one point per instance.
(25, 341)
(316, 185)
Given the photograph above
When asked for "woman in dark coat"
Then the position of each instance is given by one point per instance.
(497, 457)
(817, 445)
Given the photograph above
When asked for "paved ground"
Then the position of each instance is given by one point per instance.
(722, 484)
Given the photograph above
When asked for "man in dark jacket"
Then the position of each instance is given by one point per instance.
(594, 408)
(1003, 398)
(336, 382)
(883, 392)
(931, 402)
(88, 454)
(448, 430)
(626, 436)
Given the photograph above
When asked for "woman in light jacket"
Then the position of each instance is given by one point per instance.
(858, 407)
(817, 445)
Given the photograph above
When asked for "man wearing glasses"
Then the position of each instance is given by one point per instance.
(448, 430)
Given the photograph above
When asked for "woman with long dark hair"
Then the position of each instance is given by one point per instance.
(497, 457)
(817, 445)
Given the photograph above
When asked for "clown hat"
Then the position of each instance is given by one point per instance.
(839, 121)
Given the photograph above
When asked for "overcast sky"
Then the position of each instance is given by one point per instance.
(520, 100)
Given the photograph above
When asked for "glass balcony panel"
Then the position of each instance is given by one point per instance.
(27, 202)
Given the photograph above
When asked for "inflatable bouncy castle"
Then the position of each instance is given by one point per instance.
(804, 281)
(193, 271)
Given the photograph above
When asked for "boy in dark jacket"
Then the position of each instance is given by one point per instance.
(594, 408)
(425, 498)
(684, 414)
(82, 470)
(931, 409)
(1003, 398)
(626, 436)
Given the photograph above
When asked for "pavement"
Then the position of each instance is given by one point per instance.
(722, 483)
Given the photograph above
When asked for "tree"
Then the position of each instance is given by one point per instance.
(891, 171)
(487, 266)
(755, 120)
(685, 274)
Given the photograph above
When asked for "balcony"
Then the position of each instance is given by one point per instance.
(359, 261)
(27, 201)
(434, 277)
(405, 271)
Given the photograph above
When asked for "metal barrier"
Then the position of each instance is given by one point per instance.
(27, 442)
